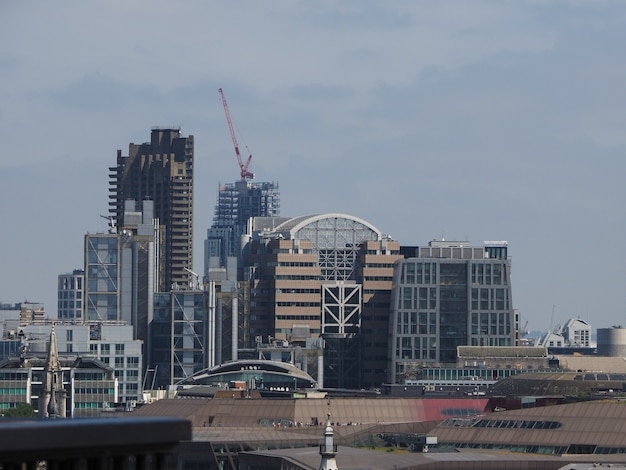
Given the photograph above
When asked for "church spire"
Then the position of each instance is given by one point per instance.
(328, 450)
(53, 405)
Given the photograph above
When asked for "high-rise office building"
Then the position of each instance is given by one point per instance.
(236, 204)
(289, 263)
(120, 270)
(224, 252)
(450, 294)
(375, 266)
(161, 171)
(329, 277)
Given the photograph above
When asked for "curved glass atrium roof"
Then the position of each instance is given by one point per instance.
(336, 239)
(258, 374)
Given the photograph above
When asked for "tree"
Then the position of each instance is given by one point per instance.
(22, 410)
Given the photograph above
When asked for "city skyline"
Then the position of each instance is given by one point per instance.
(481, 121)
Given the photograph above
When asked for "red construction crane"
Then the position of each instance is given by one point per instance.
(243, 167)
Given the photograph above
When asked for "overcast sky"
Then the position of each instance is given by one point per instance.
(473, 120)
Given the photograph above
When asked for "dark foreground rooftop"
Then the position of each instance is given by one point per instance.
(92, 443)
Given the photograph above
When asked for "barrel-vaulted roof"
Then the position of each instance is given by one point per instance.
(250, 368)
(291, 227)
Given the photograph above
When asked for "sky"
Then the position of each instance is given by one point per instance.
(464, 120)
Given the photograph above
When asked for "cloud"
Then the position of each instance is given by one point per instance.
(479, 119)
(100, 93)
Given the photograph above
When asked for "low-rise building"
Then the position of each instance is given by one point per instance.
(111, 343)
(90, 386)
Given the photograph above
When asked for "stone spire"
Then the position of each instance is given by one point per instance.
(328, 450)
(53, 403)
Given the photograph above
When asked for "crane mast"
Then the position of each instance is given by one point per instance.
(243, 167)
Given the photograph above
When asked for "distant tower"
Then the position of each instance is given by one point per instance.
(52, 404)
(328, 450)
(236, 204)
(161, 171)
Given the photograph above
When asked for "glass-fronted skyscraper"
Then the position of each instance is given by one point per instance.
(451, 294)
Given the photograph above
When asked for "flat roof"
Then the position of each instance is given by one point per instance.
(67, 438)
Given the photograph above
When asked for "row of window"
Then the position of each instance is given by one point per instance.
(298, 304)
(296, 277)
(419, 273)
(70, 283)
(14, 375)
(298, 317)
(89, 405)
(131, 362)
(130, 374)
(442, 374)
(488, 274)
(130, 387)
(12, 391)
(425, 298)
(65, 294)
(532, 449)
(491, 341)
(105, 349)
(490, 299)
(482, 273)
(416, 348)
(88, 376)
(94, 390)
(293, 264)
(516, 423)
(483, 323)
(287, 331)
(298, 291)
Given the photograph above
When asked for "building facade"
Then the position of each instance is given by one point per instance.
(324, 276)
(375, 267)
(71, 295)
(450, 295)
(121, 270)
(236, 204)
(32, 312)
(224, 248)
(111, 343)
(102, 277)
(181, 337)
(289, 261)
(573, 337)
(161, 171)
(88, 386)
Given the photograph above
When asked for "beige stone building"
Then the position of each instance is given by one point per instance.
(326, 279)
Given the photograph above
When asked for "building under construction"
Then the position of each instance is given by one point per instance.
(236, 204)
